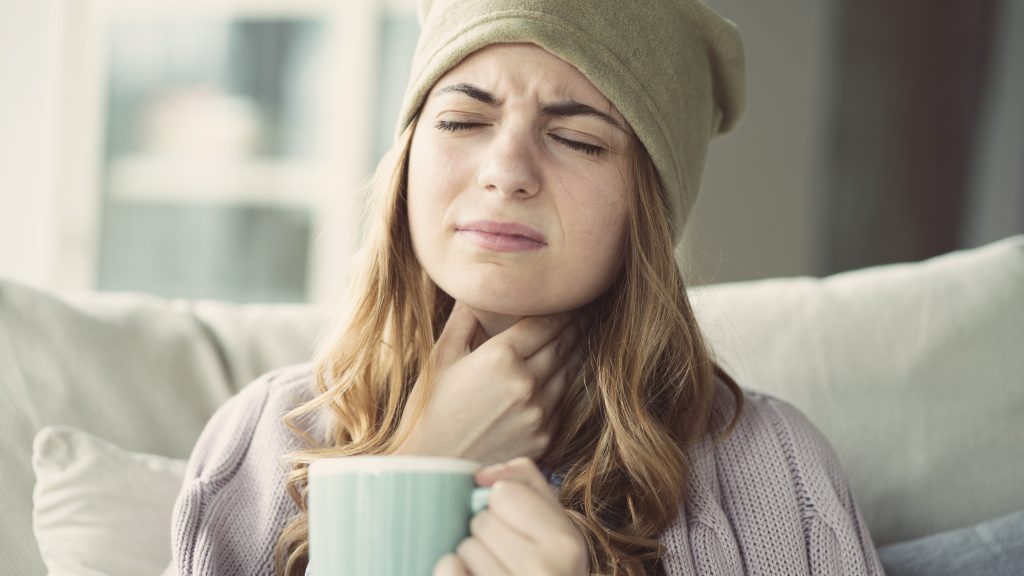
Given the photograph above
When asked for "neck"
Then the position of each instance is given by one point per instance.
(492, 324)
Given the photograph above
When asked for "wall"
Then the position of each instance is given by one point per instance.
(757, 210)
(29, 85)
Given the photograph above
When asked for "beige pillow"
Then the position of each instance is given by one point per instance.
(914, 372)
(99, 509)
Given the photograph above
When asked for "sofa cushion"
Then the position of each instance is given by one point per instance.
(914, 372)
(136, 370)
(100, 510)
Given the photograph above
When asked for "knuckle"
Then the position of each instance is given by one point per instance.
(534, 416)
(542, 441)
(503, 353)
(522, 388)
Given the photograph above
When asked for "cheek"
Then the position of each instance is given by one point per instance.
(419, 201)
(598, 238)
(424, 186)
(435, 171)
(434, 181)
(599, 212)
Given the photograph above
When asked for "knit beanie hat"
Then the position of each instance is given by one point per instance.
(673, 68)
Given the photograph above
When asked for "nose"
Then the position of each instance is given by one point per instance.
(509, 166)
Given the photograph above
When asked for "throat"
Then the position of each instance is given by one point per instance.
(491, 324)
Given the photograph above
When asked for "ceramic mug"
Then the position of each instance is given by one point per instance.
(388, 515)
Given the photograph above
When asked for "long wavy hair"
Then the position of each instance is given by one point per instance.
(643, 397)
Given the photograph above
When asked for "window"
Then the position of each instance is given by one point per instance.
(228, 142)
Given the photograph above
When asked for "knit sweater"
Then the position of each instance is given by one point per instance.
(770, 500)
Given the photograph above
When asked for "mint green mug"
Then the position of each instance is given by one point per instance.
(388, 515)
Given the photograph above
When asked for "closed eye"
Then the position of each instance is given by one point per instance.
(456, 126)
(582, 147)
(589, 149)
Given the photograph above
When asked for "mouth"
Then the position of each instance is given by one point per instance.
(501, 236)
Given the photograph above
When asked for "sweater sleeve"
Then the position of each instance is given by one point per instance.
(232, 504)
(835, 535)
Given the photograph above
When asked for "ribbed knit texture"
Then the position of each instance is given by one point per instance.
(771, 500)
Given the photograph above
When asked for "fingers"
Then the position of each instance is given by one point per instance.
(450, 565)
(522, 470)
(553, 355)
(479, 559)
(523, 500)
(525, 528)
(457, 335)
(511, 548)
(551, 393)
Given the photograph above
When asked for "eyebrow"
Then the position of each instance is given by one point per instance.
(473, 92)
(561, 109)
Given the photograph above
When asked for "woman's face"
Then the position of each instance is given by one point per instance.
(515, 136)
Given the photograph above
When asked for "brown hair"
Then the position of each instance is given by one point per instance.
(642, 399)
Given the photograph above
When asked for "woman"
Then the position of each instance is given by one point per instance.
(519, 304)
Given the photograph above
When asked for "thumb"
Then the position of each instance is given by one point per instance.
(457, 335)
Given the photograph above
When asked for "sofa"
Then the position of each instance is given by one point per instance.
(913, 371)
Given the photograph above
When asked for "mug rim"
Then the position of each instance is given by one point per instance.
(391, 463)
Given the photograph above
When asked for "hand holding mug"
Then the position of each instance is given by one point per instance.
(524, 529)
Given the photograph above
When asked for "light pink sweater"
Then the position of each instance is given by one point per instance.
(770, 500)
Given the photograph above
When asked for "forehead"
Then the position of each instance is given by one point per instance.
(526, 70)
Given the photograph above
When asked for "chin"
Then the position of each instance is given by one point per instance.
(509, 295)
(502, 302)
(498, 299)
(494, 305)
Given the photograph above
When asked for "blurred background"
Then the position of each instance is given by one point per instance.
(217, 148)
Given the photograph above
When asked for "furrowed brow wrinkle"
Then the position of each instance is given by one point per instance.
(474, 92)
(562, 109)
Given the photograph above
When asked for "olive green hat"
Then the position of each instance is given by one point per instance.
(673, 68)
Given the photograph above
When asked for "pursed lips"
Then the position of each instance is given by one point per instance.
(501, 236)
(496, 228)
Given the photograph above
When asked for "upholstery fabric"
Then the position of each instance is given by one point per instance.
(913, 372)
